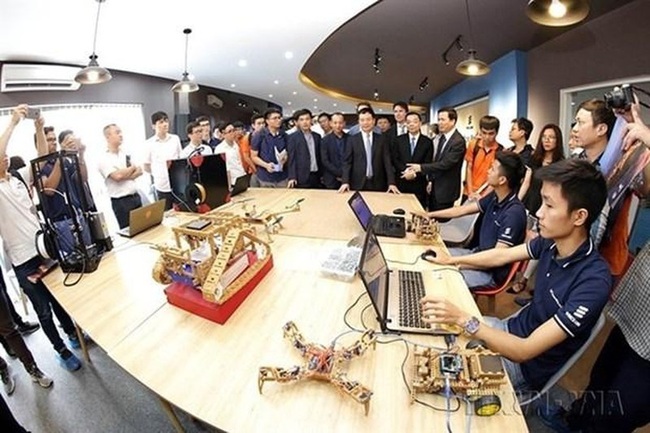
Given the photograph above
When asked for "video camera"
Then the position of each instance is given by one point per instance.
(622, 97)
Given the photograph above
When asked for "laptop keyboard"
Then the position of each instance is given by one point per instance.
(411, 290)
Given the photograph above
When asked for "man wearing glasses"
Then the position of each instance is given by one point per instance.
(269, 151)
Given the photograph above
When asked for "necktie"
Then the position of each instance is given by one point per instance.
(368, 145)
(441, 146)
(412, 145)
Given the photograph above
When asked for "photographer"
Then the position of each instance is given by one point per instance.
(18, 227)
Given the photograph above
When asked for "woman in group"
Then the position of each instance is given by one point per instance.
(549, 149)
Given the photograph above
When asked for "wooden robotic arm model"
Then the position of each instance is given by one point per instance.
(322, 363)
(217, 253)
(425, 229)
(272, 221)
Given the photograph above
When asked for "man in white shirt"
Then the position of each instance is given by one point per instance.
(230, 150)
(159, 149)
(18, 227)
(119, 176)
(196, 146)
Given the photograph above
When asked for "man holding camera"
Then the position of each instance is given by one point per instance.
(18, 228)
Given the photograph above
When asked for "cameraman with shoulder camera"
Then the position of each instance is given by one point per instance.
(619, 387)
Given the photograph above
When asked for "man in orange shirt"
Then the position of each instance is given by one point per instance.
(480, 155)
(243, 140)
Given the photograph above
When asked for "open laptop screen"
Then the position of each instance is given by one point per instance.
(360, 209)
(373, 270)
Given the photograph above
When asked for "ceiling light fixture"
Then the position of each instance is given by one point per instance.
(471, 66)
(557, 13)
(376, 95)
(93, 73)
(376, 65)
(185, 85)
(424, 84)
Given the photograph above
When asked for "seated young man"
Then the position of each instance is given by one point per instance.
(571, 287)
(504, 219)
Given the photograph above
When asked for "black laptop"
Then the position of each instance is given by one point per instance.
(241, 184)
(383, 225)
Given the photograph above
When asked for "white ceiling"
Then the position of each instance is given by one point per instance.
(146, 36)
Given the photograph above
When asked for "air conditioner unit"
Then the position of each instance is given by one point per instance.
(25, 77)
(214, 101)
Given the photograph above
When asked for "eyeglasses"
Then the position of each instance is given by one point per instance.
(549, 138)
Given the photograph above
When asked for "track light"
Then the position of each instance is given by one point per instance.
(376, 95)
(376, 65)
(424, 84)
(185, 85)
(557, 13)
(455, 43)
(93, 73)
(242, 103)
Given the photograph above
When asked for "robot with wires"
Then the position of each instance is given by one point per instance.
(72, 231)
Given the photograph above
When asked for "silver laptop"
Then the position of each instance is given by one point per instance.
(143, 218)
(395, 294)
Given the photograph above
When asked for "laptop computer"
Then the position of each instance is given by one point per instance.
(143, 218)
(383, 225)
(396, 294)
(241, 184)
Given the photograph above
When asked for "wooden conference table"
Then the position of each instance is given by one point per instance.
(210, 370)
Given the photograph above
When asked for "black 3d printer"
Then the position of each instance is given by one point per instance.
(72, 231)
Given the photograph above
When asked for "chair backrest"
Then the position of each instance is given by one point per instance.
(487, 291)
(568, 364)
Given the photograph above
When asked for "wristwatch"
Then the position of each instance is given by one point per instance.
(471, 326)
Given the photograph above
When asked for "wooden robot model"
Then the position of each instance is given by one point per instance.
(218, 253)
(272, 221)
(322, 363)
(475, 373)
(425, 229)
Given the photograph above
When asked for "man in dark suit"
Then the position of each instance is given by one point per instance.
(331, 152)
(444, 171)
(409, 148)
(303, 148)
(366, 161)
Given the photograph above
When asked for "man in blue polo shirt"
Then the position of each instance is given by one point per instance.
(504, 218)
(571, 287)
(269, 151)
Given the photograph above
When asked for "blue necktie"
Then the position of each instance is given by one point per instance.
(412, 145)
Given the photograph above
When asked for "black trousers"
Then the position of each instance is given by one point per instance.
(11, 338)
(7, 420)
(168, 197)
(123, 206)
(616, 399)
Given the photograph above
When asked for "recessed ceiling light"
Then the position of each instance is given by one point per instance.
(289, 103)
(315, 107)
(233, 85)
(334, 104)
(295, 93)
(288, 55)
(315, 99)
(242, 63)
(276, 82)
(270, 95)
(381, 109)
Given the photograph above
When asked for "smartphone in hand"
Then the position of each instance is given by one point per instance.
(33, 113)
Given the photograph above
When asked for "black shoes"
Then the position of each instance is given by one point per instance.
(27, 327)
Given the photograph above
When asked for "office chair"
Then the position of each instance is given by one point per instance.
(491, 291)
(567, 365)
